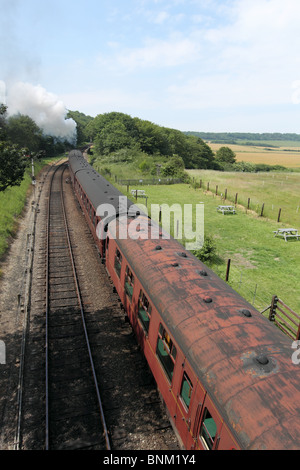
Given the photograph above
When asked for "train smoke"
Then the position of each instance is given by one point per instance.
(44, 108)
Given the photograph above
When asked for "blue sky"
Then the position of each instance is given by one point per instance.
(201, 65)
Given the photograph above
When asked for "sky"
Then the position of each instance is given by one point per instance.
(191, 65)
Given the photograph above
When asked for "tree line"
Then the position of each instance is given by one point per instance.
(118, 137)
(119, 134)
(232, 137)
(20, 140)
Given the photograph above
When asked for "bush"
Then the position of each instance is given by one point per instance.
(208, 250)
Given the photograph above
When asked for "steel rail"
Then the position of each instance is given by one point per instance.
(47, 314)
(105, 430)
(106, 436)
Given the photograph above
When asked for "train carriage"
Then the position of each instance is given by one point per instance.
(224, 372)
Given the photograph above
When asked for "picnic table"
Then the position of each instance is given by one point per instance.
(138, 192)
(287, 233)
(226, 209)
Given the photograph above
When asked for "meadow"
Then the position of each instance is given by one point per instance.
(261, 265)
(12, 203)
(270, 191)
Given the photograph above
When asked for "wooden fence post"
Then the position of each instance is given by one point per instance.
(279, 212)
(273, 308)
(228, 269)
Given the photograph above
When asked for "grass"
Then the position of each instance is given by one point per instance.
(12, 203)
(261, 265)
(276, 190)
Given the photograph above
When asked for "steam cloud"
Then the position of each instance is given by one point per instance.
(46, 110)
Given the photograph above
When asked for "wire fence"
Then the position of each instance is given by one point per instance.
(267, 304)
(249, 290)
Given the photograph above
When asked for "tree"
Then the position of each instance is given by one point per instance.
(113, 136)
(198, 154)
(24, 132)
(3, 110)
(81, 122)
(13, 162)
(226, 155)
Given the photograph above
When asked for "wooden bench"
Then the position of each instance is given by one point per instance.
(287, 233)
(138, 193)
(226, 209)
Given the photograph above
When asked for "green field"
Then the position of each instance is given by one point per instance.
(276, 190)
(261, 265)
(12, 202)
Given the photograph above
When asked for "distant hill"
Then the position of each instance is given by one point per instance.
(237, 137)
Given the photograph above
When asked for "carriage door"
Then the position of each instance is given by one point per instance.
(185, 403)
(209, 426)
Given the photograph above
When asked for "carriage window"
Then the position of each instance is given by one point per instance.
(129, 282)
(144, 312)
(186, 390)
(118, 262)
(208, 430)
(166, 351)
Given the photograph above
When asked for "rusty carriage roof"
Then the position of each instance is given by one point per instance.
(97, 188)
(242, 359)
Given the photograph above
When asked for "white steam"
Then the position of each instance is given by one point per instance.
(46, 110)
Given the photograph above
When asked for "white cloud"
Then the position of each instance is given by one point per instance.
(110, 99)
(174, 51)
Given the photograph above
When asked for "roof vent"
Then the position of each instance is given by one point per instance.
(202, 273)
(174, 265)
(158, 247)
(183, 254)
(246, 312)
(262, 360)
(207, 300)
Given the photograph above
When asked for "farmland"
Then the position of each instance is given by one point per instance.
(287, 155)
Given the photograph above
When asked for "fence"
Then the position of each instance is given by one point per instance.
(251, 291)
(154, 181)
(276, 311)
(280, 211)
(285, 319)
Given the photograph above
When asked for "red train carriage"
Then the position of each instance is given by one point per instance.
(224, 372)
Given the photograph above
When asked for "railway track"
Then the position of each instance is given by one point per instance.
(59, 405)
(73, 402)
